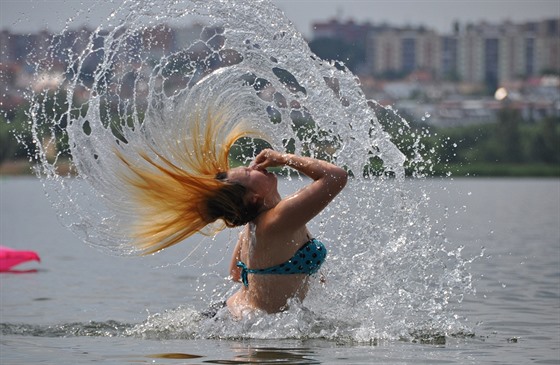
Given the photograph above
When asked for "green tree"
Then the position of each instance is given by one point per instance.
(337, 50)
(15, 136)
(545, 145)
(508, 136)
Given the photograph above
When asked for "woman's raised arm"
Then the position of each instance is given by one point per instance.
(299, 208)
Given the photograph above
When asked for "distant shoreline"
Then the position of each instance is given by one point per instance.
(499, 170)
(16, 167)
(24, 168)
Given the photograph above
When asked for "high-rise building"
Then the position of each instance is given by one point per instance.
(489, 54)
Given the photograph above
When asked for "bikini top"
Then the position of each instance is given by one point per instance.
(307, 260)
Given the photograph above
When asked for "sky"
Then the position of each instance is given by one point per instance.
(34, 15)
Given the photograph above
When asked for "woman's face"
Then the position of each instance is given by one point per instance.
(261, 182)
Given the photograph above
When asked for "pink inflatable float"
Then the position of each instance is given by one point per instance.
(10, 258)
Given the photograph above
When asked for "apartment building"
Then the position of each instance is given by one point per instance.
(490, 54)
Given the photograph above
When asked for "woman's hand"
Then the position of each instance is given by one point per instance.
(269, 158)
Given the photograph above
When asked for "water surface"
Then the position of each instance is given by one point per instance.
(82, 305)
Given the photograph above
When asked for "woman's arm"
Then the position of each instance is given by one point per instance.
(296, 210)
(312, 167)
(234, 271)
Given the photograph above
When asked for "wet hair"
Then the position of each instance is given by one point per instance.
(228, 203)
(179, 188)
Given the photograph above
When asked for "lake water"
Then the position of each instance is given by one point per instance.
(83, 306)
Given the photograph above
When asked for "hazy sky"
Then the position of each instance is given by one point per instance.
(32, 15)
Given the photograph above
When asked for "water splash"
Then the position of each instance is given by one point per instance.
(131, 80)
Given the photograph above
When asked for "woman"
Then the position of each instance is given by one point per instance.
(186, 187)
(269, 258)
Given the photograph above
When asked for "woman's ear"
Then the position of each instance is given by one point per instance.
(253, 199)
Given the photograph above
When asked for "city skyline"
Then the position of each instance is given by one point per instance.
(35, 15)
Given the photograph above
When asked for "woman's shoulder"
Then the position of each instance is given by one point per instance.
(274, 223)
(269, 234)
(266, 228)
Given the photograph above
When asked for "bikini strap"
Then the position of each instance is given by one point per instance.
(244, 273)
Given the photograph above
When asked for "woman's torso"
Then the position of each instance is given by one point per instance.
(260, 250)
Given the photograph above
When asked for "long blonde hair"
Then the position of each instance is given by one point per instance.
(173, 187)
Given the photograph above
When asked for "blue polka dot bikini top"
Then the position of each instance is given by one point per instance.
(307, 260)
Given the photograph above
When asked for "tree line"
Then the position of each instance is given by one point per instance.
(507, 146)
